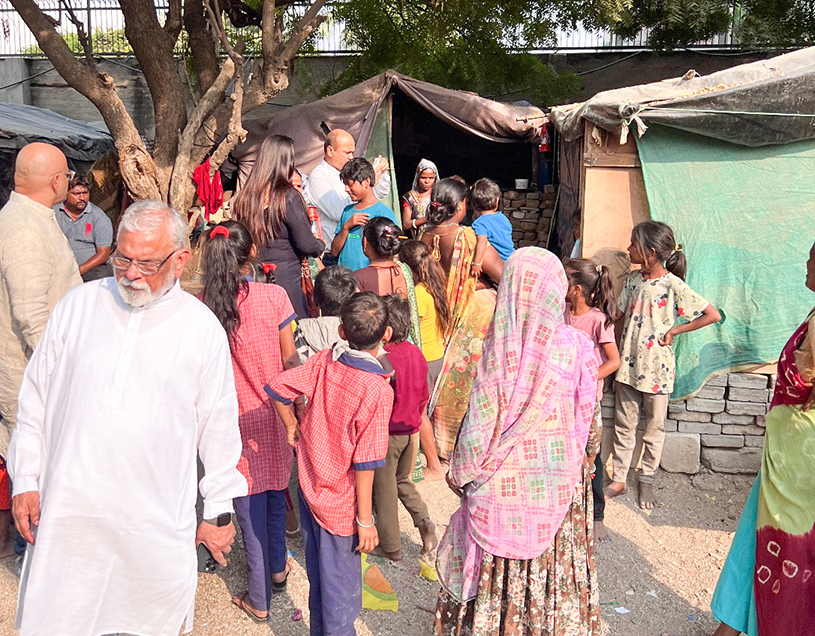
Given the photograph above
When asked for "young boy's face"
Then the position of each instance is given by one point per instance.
(357, 190)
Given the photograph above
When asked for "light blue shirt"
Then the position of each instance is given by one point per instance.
(498, 230)
(352, 255)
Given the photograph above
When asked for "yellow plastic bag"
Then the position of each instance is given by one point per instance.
(377, 593)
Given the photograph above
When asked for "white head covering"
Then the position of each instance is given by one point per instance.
(424, 164)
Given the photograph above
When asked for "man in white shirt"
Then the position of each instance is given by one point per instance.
(130, 383)
(325, 188)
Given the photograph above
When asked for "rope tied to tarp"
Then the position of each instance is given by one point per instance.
(630, 113)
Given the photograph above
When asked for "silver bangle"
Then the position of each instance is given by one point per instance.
(362, 525)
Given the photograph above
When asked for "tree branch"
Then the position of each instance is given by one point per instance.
(137, 167)
(84, 40)
(153, 49)
(268, 41)
(172, 24)
(305, 27)
(202, 43)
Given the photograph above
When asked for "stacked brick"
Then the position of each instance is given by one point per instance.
(530, 214)
(721, 428)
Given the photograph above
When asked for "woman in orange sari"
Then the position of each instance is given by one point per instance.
(471, 301)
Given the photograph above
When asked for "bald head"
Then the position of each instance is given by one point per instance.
(339, 148)
(40, 173)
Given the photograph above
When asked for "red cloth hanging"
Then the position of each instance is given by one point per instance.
(210, 191)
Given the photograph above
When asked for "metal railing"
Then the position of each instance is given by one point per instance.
(103, 19)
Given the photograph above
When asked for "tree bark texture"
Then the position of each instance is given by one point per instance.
(186, 134)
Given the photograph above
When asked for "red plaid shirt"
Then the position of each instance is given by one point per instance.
(344, 428)
(266, 458)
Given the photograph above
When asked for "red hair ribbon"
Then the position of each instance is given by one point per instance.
(268, 268)
(220, 230)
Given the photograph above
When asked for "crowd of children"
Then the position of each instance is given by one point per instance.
(350, 388)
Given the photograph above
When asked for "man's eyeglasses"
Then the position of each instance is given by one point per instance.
(148, 268)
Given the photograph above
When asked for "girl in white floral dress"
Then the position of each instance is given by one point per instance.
(652, 299)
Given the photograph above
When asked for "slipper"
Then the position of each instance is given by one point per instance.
(240, 603)
(280, 587)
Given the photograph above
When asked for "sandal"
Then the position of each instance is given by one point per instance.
(240, 603)
(280, 587)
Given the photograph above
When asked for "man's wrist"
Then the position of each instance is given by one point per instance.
(223, 519)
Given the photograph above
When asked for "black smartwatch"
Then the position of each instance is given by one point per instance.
(223, 519)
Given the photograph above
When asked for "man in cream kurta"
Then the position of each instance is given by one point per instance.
(37, 267)
(132, 380)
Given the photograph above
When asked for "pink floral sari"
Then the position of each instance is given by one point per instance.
(521, 447)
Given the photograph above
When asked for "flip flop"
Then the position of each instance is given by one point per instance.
(240, 603)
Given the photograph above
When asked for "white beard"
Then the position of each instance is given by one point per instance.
(139, 294)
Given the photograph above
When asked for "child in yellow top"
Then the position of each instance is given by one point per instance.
(434, 314)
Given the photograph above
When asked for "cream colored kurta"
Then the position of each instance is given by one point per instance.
(37, 267)
(114, 406)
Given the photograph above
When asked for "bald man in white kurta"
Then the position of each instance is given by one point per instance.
(115, 404)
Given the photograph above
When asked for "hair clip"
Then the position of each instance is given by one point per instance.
(268, 268)
(219, 230)
(678, 247)
(599, 268)
(404, 238)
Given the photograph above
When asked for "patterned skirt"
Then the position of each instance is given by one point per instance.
(552, 595)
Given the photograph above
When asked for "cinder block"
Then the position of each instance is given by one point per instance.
(727, 460)
(734, 429)
(736, 394)
(677, 407)
(747, 380)
(671, 426)
(680, 454)
(717, 380)
(755, 441)
(722, 441)
(517, 214)
(691, 416)
(699, 427)
(745, 408)
(705, 406)
(729, 418)
(711, 393)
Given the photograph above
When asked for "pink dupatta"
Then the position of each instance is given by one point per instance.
(522, 444)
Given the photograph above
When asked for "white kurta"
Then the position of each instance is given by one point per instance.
(114, 405)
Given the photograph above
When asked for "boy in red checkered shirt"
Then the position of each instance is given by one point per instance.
(341, 440)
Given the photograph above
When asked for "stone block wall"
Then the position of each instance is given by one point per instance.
(530, 214)
(721, 428)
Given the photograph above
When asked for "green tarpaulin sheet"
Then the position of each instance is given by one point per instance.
(745, 218)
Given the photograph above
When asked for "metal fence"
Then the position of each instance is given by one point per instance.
(103, 19)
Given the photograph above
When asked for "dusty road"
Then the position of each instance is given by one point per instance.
(662, 566)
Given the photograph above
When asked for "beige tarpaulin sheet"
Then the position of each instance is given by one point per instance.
(355, 108)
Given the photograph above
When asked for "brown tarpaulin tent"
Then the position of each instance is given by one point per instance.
(358, 109)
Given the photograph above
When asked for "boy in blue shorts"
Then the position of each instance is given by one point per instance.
(358, 177)
(341, 440)
(489, 226)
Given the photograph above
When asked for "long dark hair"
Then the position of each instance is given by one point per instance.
(658, 236)
(597, 286)
(427, 270)
(261, 203)
(383, 237)
(444, 199)
(223, 256)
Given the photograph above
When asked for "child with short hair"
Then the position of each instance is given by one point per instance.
(341, 440)
(358, 177)
(392, 481)
(591, 307)
(652, 299)
(332, 287)
(489, 225)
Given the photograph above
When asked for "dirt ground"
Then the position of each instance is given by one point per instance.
(662, 566)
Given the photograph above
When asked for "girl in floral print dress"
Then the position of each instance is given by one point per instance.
(652, 300)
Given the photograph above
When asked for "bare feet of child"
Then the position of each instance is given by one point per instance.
(614, 488)
(434, 474)
(601, 534)
(427, 530)
(646, 496)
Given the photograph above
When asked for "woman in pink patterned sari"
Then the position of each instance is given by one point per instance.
(517, 558)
